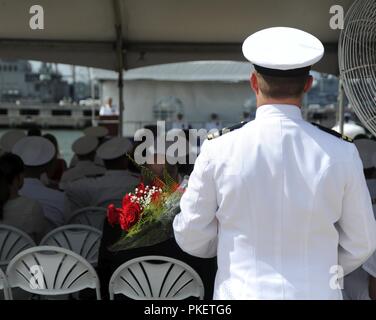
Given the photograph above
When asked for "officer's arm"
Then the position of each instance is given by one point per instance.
(357, 226)
(196, 226)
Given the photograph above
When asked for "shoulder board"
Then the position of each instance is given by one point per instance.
(332, 132)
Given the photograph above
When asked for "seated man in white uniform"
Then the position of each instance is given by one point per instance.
(361, 284)
(112, 186)
(37, 154)
(85, 150)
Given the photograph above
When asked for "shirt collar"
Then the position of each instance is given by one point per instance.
(279, 111)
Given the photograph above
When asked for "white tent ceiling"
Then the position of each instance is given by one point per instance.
(193, 71)
(84, 32)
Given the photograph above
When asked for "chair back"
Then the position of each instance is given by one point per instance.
(156, 278)
(51, 271)
(91, 216)
(12, 241)
(81, 239)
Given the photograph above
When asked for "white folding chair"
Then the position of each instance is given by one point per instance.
(12, 241)
(51, 271)
(156, 278)
(91, 216)
(4, 284)
(81, 239)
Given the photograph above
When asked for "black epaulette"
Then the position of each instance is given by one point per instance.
(332, 132)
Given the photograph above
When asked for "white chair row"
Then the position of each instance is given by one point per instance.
(91, 216)
(79, 236)
(81, 239)
(51, 271)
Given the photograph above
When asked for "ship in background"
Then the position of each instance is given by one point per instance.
(43, 98)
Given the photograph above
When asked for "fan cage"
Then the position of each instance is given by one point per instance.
(357, 60)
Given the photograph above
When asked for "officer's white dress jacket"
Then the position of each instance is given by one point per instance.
(281, 203)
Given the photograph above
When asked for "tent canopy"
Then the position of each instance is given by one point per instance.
(87, 32)
(196, 71)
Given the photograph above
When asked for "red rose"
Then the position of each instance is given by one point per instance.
(129, 215)
(126, 200)
(141, 190)
(113, 215)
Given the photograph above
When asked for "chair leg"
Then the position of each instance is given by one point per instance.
(98, 291)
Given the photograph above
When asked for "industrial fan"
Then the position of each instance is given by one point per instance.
(357, 60)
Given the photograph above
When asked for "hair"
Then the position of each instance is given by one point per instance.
(11, 166)
(281, 87)
(120, 163)
(34, 132)
(50, 137)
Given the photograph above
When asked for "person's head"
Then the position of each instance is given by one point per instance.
(179, 116)
(11, 177)
(86, 157)
(38, 155)
(114, 153)
(53, 140)
(85, 148)
(160, 166)
(282, 59)
(109, 101)
(120, 163)
(214, 117)
(99, 132)
(282, 90)
(34, 132)
(162, 159)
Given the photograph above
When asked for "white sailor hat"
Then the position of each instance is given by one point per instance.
(282, 51)
(114, 148)
(99, 132)
(367, 152)
(85, 145)
(34, 151)
(10, 138)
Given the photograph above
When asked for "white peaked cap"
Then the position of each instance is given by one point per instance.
(98, 132)
(283, 48)
(10, 138)
(34, 151)
(367, 152)
(85, 145)
(114, 148)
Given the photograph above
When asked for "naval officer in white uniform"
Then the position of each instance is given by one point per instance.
(37, 154)
(283, 204)
(85, 149)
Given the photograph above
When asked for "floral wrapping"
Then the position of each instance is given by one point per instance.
(146, 215)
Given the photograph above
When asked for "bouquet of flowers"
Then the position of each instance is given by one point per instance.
(146, 214)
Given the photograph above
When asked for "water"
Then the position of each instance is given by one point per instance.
(65, 140)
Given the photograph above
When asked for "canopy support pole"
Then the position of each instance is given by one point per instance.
(341, 107)
(120, 61)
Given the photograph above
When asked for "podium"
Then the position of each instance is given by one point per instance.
(111, 123)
